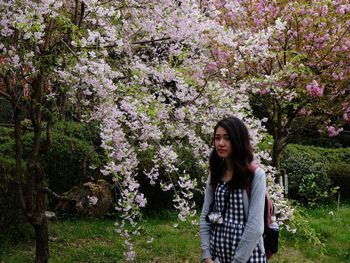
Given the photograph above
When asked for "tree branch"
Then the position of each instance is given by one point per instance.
(57, 196)
(70, 49)
(82, 11)
(4, 94)
(76, 11)
(336, 44)
(151, 41)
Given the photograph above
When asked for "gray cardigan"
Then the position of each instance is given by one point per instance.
(254, 212)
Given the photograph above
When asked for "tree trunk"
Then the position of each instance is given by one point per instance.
(42, 241)
(36, 215)
(276, 155)
(276, 159)
(33, 202)
(278, 138)
(35, 185)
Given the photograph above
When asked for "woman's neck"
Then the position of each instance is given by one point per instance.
(229, 165)
(227, 176)
(228, 173)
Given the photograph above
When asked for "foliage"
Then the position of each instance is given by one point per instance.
(74, 157)
(6, 112)
(339, 173)
(302, 159)
(308, 180)
(88, 132)
(319, 154)
(315, 139)
(10, 211)
(71, 160)
(69, 163)
(315, 189)
(292, 58)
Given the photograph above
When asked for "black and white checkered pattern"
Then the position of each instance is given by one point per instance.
(225, 238)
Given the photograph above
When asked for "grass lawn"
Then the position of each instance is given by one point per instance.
(95, 240)
(333, 229)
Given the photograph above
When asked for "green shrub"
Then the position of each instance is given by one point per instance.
(75, 149)
(316, 188)
(68, 161)
(340, 175)
(334, 161)
(88, 132)
(5, 134)
(308, 180)
(319, 154)
(6, 111)
(75, 156)
(11, 213)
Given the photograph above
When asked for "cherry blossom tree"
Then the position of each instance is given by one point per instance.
(32, 35)
(292, 57)
(144, 71)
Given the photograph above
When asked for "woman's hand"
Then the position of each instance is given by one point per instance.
(208, 260)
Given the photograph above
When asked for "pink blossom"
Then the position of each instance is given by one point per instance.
(212, 66)
(141, 200)
(341, 9)
(264, 91)
(324, 11)
(305, 112)
(314, 90)
(179, 114)
(333, 131)
(229, 15)
(346, 110)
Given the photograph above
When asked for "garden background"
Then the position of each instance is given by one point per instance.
(106, 116)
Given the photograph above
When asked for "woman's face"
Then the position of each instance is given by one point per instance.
(222, 143)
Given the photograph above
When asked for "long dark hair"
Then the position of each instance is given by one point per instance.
(242, 154)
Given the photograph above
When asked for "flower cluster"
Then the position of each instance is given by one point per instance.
(314, 90)
(283, 49)
(333, 131)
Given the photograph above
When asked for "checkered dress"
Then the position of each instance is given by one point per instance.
(225, 238)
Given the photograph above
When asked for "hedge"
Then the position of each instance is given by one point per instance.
(339, 173)
(10, 210)
(70, 158)
(336, 161)
(327, 155)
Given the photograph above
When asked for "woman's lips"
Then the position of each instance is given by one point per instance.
(221, 151)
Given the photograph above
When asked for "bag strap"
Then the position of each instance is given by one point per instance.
(268, 210)
(227, 194)
(252, 167)
(225, 201)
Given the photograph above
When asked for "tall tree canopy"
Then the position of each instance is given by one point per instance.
(292, 57)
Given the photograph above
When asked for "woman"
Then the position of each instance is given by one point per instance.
(239, 237)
